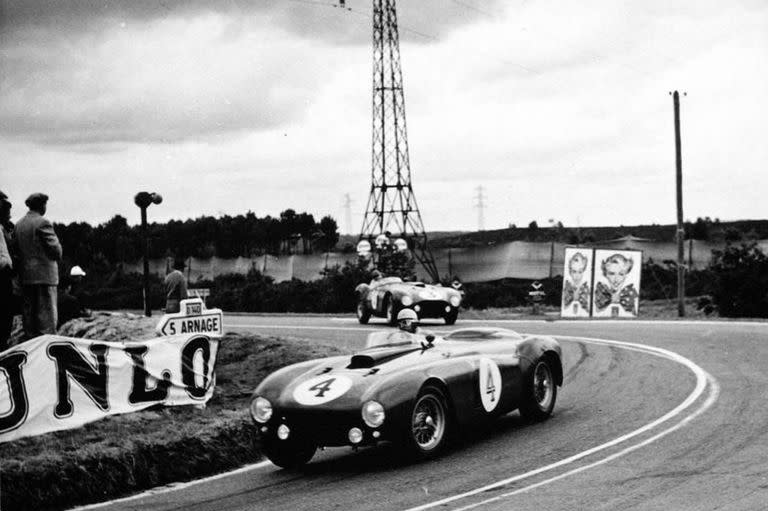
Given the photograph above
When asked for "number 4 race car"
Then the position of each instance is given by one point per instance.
(406, 388)
(387, 296)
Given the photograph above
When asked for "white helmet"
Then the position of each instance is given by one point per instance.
(407, 314)
(76, 271)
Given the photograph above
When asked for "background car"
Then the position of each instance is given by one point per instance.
(387, 296)
(406, 388)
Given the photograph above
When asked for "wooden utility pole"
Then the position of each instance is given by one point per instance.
(680, 230)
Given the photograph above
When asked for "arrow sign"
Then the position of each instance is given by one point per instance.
(194, 319)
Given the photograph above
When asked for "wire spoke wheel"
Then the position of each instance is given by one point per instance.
(428, 422)
(543, 385)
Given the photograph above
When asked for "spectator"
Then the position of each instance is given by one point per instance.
(39, 251)
(175, 287)
(7, 297)
(68, 302)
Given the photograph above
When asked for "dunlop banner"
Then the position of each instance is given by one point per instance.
(52, 383)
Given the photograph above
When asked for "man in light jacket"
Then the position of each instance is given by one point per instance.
(39, 251)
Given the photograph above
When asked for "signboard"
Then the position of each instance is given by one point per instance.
(616, 290)
(52, 383)
(192, 318)
(577, 283)
(536, 293)
(198, 292)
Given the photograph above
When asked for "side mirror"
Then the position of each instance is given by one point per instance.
(430, 339)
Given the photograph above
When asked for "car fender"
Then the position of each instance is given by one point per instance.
(534, 347)
(272, 386)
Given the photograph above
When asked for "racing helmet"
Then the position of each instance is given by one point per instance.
(406, 320)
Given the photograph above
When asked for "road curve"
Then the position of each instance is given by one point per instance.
(709, 455)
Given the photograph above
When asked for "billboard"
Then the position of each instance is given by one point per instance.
(616, 290)
(577, 283)
(52, 383)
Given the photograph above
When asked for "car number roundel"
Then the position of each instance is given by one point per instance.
(490, 384)
(321, 389)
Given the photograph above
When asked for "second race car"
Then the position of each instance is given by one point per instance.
(385, 297)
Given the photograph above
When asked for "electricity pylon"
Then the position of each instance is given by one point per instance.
(392, 204)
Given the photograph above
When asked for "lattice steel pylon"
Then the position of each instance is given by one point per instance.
(392, 204)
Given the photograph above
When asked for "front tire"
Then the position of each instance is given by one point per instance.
(540, 392)
(288, 453)
(363, 314)
(428, 424)
(451, 317)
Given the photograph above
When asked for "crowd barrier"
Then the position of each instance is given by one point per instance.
(516, 259)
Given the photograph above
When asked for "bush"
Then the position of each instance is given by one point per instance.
(740, 281)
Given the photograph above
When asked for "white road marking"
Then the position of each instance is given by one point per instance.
(714, 393)
(174, 486)
(299, 327)
(702, 379)
(593, 322)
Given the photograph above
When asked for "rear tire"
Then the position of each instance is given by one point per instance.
(288, 453)
(429, 424)
(540, 392)
(363, 314)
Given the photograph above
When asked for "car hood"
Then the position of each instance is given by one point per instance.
(344, 382)
(424, 292)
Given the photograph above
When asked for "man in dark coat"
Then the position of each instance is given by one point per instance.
(175, 287)
(39, 250)
(7, 297)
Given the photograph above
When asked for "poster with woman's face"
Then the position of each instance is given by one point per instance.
(577, 283)
(617, 283)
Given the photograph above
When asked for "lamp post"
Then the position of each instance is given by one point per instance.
(143, 200)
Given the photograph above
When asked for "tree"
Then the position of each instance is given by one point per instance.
(329, 230)
(533, 229)
(740, 284)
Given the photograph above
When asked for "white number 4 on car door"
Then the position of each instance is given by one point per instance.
(490, 384)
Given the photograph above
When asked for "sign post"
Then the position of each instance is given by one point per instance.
(192, 318)
(537, 296)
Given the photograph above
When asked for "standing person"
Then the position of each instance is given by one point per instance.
(175, 287)
(8, 310)
(39, 251)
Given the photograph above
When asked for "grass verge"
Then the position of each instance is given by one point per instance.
(132, 452)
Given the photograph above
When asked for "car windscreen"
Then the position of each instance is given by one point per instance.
(393, 338)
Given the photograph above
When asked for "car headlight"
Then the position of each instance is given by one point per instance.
(455, 300)
(373, 414)
(407, 300)
(261, 409)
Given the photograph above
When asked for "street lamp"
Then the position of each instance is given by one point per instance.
(143, 200)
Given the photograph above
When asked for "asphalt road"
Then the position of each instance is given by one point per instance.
(683, 427)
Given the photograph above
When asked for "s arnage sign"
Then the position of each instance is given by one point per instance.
(193, 318)
(52, 383)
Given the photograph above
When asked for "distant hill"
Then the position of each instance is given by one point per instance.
(701, 229)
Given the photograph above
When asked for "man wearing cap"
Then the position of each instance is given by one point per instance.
(7, 296)
(39, 251)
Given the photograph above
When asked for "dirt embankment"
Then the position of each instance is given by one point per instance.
(127, 453)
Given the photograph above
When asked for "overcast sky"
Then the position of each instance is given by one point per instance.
(557, 109)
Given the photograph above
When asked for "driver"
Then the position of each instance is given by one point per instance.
(406, 321)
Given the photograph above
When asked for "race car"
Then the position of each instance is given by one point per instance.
(411, 389)
(386, 296)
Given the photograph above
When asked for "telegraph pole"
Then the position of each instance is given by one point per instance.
(348, 213)
(680, 229)
(480, 205)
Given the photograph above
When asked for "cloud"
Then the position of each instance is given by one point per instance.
(87, 73)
